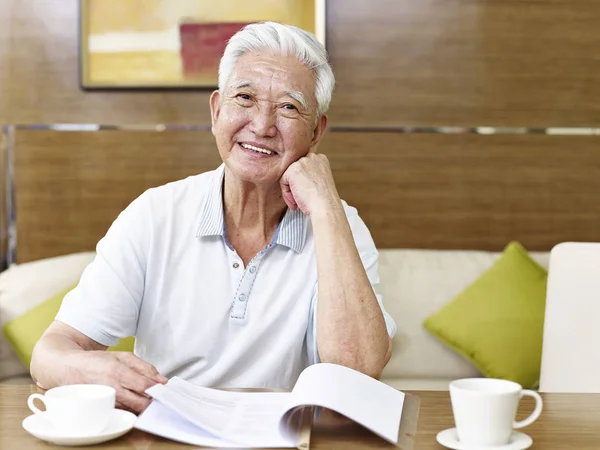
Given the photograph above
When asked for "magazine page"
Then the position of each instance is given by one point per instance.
(250, 419)
(369, 402)
(159, 420)
(197, 415)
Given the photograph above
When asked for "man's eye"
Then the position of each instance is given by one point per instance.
(244, 96)
(289, 106)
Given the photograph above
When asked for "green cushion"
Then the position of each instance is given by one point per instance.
(497, 322)
(23, 332)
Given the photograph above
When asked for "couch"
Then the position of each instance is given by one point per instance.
(414, 284)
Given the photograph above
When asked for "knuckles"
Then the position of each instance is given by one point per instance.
(313, 162)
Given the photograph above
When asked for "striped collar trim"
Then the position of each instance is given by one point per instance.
(291, 231)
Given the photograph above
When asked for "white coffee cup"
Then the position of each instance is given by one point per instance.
(485, 408)
(77, 409)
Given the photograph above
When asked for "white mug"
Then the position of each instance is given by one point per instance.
(485, 408)
(77, 409)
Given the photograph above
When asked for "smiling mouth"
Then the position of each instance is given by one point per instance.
(264, 151)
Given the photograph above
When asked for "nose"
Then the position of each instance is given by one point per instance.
(263, 122)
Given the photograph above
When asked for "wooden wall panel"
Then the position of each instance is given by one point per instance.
(398, 62)
(3, 203)
(4, 41)
(4, 67)
(412, 190)
(70, 186)
(470, 191)
(465, 63)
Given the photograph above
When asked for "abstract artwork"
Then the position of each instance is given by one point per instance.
(173, 43)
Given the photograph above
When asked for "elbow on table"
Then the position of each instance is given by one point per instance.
(368, 362)
(36, 366)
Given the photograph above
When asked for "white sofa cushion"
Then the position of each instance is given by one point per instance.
(24, 286)
(570, 353)
(416, 283)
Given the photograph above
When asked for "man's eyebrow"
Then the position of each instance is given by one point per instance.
(299, 97)
(294, 95)
(240, 85)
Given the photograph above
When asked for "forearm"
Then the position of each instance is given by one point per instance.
(351, 329)
(57, 358)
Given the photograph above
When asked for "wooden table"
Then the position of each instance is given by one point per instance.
(569, 421)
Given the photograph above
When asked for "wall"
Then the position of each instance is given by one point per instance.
(517, 66)
(397, 62)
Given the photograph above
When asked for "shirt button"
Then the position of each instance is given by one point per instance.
(242, 297)
(253, 269)
(235, 265)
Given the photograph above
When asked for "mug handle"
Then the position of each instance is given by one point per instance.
(536, 412)
(30, 401)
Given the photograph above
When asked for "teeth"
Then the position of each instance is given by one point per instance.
(258, 149)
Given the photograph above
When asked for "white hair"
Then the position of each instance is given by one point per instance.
(283, 40)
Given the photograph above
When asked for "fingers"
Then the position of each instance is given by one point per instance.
(135, 382)
(135, 376)
(141, 367)
(128, 374)
(288, 196)
(131, 401)
(120, 405)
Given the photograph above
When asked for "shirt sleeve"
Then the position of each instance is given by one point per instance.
(370, 259)
(105, 304)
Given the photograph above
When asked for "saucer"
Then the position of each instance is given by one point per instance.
(120, 423)
(518, 441)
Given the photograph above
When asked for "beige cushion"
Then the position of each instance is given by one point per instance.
(418, 384)
(416, 283)
(25, 286)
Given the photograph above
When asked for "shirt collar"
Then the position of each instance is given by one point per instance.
(291, 232)
(211, 212)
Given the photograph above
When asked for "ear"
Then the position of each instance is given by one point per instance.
(318, 133)
(215, 109)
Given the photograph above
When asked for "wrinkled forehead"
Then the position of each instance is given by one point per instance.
(273, 74)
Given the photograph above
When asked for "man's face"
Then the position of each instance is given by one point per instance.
(266, 117)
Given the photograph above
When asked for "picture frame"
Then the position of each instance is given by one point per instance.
(173, 44)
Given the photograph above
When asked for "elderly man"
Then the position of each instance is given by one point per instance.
(239, 277)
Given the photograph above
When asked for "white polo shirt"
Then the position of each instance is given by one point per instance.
(166, 274)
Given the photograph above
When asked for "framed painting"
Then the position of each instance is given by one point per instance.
(137, 44)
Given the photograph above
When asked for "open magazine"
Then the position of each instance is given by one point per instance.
(202, 416)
